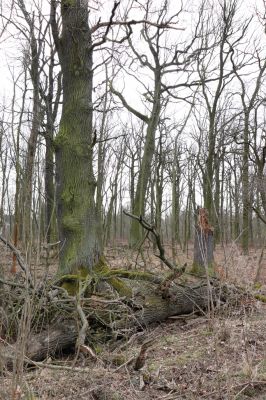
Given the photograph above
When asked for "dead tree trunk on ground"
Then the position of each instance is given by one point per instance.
(142, 300)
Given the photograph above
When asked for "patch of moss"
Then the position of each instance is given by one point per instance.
(102, 270)
(71, 282)
(207, 332)
(260, 297)
(82, 272)
(199, 270)
(139, 275)
(71, 287)
(120, 287)
(68, 3)
(97, 348)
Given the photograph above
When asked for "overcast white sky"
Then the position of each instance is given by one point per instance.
(11, 47)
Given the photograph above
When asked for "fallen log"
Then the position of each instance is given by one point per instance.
(110, 313)
(40, 346)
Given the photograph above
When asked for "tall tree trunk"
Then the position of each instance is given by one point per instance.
(51, 103)
(17, 211)
(145, 168)
(101, 159)
(35, 49)
(217, 196)
(208, 176)
(78, 221)
(245, 190)
(175, 231)
(49, 184)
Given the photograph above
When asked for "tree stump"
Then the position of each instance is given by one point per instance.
(203, 245)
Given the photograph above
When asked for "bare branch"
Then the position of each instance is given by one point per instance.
(138, 114)
(21, 262)
(259, 215)
(135, 22)
(108, 27)
(54, 26)
(150, 228)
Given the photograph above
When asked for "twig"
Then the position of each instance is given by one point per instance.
(21, 262)
(82, 333)
(243, 386)
(46, 245)
(131, 340)
(96, 141)
(10, 283)
(59, 367)
(88, 350)
(131, 359)
(108, 26)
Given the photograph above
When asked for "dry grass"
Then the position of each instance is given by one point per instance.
(191, 358)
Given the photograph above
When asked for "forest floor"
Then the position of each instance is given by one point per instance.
(222, 356)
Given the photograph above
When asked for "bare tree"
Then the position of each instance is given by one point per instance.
(248, 101)
(160, 61)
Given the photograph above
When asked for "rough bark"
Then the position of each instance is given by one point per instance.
(77, 217)
(42, 345)
(203, 244)
(203, 251)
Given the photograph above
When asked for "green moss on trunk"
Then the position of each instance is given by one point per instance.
(78, 221)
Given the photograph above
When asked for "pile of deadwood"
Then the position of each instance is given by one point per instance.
(108, 305)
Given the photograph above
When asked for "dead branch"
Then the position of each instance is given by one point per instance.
(10, 283)
(164, 25)
(82, 333)
(140, 360)
(259, 215)
(150, 228)
(21, 262)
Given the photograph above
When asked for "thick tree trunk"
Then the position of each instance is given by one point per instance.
(78, 221)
